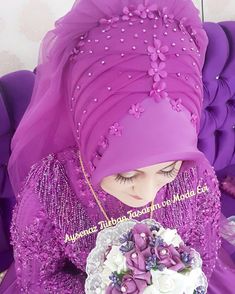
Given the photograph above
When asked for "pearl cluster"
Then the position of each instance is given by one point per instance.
(157, 51)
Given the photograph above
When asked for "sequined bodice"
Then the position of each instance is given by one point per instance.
(63, 228)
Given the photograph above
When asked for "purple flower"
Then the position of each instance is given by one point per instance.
(126, 237)
(176, 104)
(158, 50)
(181, 24)
(128, 14)
(158, 91)
(141, 228)
(81, 43)
(116, 129)
(135, 261)
(136, 110)
(145, 12)
(193, 118)
(91, 165)
(74, 53)
(102, 145)
(135, 283)
(192, 31)
(141, 236)
(186, 254)
(152, 263)
(154, 228)
(200, 290)
(115, 278)
(112, 22)
(96, 159)
(128, 246)
(113, 289)
(169, 257)
(193, 34)
(167, 18)
(157, 71)
(156, 241)
(186, 258)
(84, 36)
(130, 284)
(109, 21)
(76, 49)
(141, 11)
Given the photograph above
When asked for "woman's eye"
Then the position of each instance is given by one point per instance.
(168, 174)
(121, 179)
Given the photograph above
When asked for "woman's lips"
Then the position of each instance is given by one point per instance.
(136, 197)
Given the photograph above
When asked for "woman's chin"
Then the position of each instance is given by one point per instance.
(136, 203)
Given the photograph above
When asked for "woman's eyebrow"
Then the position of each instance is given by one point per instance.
(160, 169)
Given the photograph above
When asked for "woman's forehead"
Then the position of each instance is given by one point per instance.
(156, 166)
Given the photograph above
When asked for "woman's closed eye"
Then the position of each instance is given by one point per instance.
(173, 172)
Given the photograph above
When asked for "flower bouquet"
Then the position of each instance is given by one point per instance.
(143, 257)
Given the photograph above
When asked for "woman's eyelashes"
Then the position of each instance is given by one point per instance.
(173, 172)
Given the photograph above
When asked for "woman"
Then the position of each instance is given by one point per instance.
(112, 131)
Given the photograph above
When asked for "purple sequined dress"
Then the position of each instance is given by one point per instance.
(55, 200)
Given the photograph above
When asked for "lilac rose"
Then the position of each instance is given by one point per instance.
(141, 235)
(112, 289)
(169, 257)
(135, 261)
(132, 284)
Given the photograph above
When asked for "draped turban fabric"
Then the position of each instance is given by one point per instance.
(121, 80)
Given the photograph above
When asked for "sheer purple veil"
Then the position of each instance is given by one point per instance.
(47, 124)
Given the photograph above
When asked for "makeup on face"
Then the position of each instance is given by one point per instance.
(137, 197)
(121, 185)
(123, 179)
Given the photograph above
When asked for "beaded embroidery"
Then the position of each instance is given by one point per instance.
(158, 55)
(60, 214)
(196, 219)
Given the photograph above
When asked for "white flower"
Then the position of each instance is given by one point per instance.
(100, 291)
(170, 236)
(105, 275)
(172, 282)
(194, 279)
(152, 289)
(167, 282)
(115, 261)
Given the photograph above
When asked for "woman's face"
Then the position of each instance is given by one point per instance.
(138, 187)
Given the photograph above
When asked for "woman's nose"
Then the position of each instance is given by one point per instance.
(147, 188)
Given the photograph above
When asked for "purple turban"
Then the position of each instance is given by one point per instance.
(138, 90)
(121, 80)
